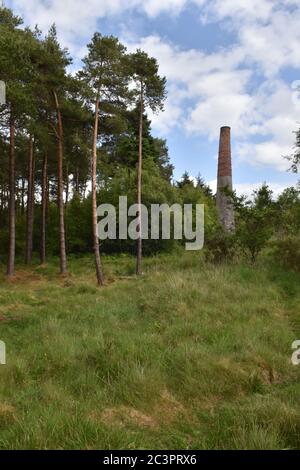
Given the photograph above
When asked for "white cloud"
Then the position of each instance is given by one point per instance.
(219, 89)
(207, 90)
(274, 45)
(209, 80)
(220, 83)
(217, 111)
(275, 119)
(173, 113)
(154, 7)
(75, 18)
(269, 153)
(238, 9)
(247, 189)
(259, 23)
(190, 65)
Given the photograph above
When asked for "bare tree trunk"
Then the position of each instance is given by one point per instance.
(1, 206)
(67, 185)
(17, 198)
(44, 211)
(139, 188)
(30, 203)
(99, 272)
(12, 207)
(47, 195)
(60, 192)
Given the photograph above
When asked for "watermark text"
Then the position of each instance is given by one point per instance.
(160, 222)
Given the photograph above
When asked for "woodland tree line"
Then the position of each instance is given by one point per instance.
(69, 142)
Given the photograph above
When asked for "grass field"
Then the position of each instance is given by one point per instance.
(190, 356)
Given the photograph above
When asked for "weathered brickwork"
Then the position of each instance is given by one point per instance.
(224, 168)
(224, 204)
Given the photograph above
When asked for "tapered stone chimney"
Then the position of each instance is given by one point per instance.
(224, 204)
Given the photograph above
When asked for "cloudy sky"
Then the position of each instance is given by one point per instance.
(228, 62)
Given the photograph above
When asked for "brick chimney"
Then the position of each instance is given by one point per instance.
(224, 204)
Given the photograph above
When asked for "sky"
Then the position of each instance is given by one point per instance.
(227, 62)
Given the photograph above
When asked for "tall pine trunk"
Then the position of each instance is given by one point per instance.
(12, 202)
(60, 189)
(139, 188)
(43, 211)
(99, 272)
(1, 206)
(30, 203)
(67, 185)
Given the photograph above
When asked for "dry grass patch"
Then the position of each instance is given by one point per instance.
(123, 416)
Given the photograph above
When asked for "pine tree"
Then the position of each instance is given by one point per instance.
(15, 48)
(105, 76)
(150, 92)
(54, 78)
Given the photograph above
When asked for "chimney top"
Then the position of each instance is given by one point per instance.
(224, 165)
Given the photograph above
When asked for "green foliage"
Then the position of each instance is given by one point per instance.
(122, 149)
(288, 212)
(286, 252)
(258, 221)
(105, 79)
(150, 87)
(162, 362)
(17, 47)
(255, 222)
(156, 190)
(220, 247)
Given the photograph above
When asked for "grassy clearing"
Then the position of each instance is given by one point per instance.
(190, 356)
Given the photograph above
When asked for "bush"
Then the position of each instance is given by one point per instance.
(286, 252)
(220, 247)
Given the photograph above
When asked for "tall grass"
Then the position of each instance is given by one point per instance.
(189, 356)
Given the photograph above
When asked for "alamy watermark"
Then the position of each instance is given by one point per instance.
(2, 93)
(2, 353)
(296, 353)
(153, 224)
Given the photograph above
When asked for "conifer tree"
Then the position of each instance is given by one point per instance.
(55, 81)
(105, 75)
(151, 93)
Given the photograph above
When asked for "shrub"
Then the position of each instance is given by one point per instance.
(220, 247)
(286, 252)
